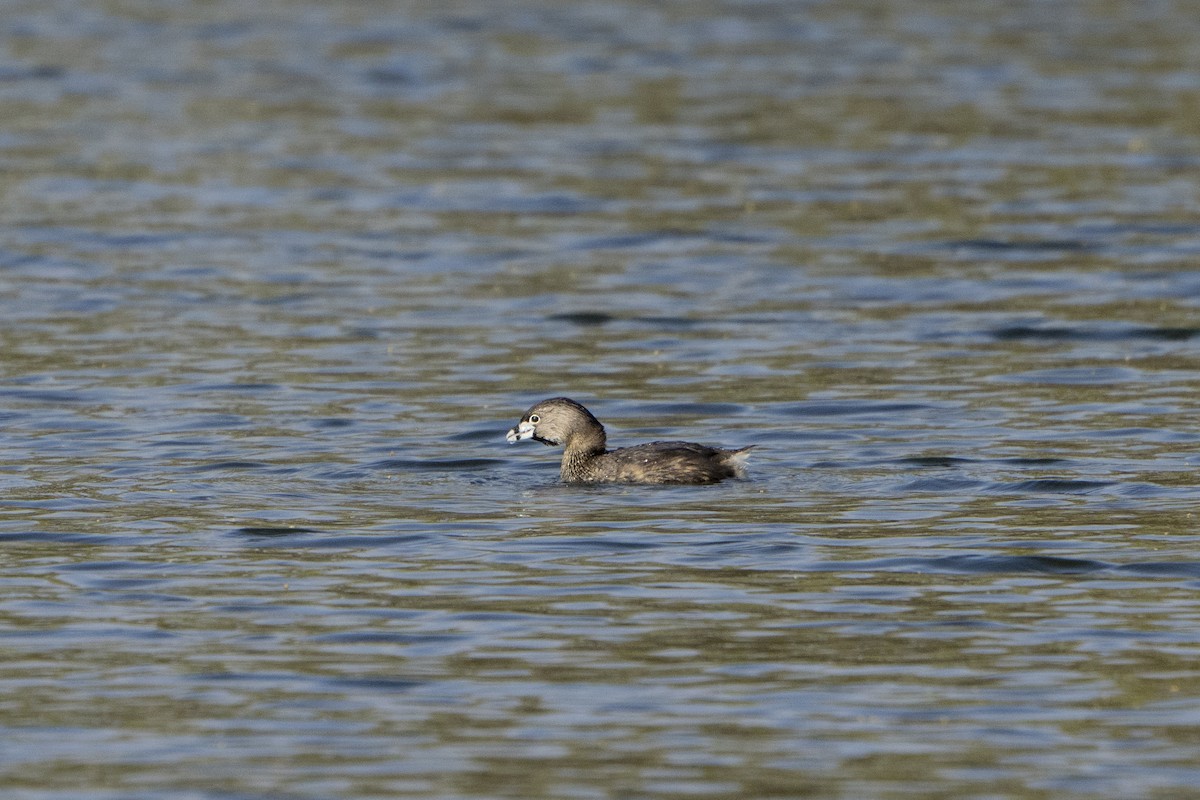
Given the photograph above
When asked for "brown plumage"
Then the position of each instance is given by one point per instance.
(560, 421)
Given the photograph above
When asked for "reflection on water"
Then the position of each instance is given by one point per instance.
(276, 280)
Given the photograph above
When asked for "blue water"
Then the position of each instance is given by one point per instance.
(275, 281)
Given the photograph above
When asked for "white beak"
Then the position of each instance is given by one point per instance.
(521, 432)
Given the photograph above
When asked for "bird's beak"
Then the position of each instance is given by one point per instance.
(521, 432)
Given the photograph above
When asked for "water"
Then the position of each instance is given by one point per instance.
(276, 278)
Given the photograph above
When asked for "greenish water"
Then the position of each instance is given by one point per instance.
(276, 278)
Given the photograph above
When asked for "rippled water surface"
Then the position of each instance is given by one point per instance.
(276, 277)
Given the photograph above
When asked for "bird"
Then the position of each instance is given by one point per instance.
(586, 459)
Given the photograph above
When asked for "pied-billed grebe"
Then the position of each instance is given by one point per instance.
(585, 460)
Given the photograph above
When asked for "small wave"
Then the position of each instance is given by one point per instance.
(1163, 569)
(583, 318)
(45, 396)
(1018, 245)
(435, 465)
(848, 408)
(1055, 565)
(43, 537)
(1052, 486)
(217, 466)
(1055, 333)
(977, 563)
(378, 683)
(933, 461)
(273, 530)
(940, 485)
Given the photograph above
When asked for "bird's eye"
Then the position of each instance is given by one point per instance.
(535, 419)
